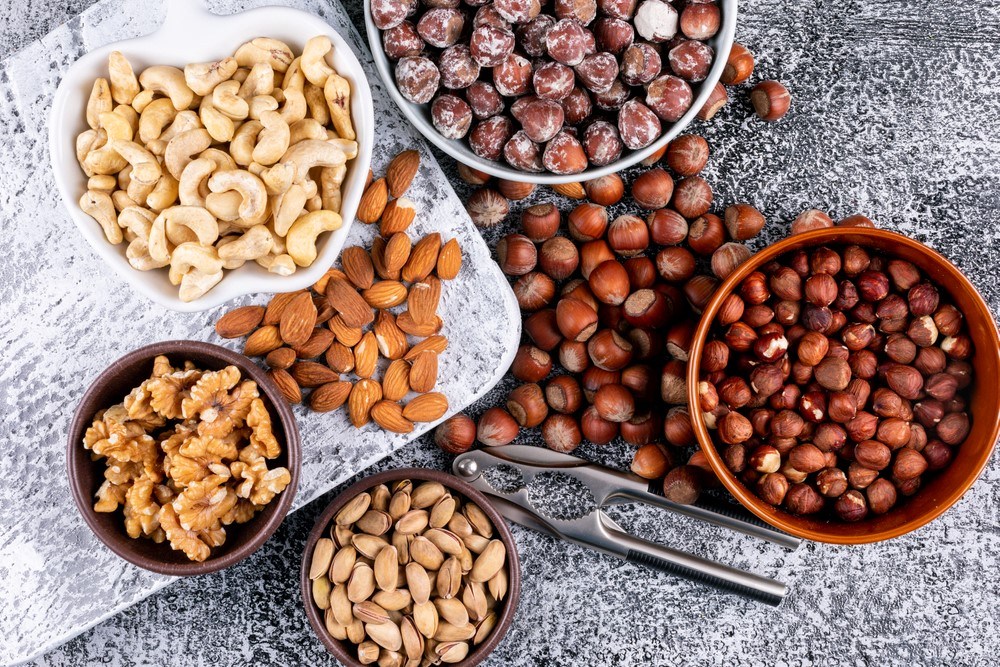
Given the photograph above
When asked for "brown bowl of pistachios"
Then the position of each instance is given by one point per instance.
(410, 567)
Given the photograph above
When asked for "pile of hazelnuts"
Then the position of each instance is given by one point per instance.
(609, 305)
(562, 86)
(836, 381)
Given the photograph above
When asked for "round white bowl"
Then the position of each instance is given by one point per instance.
(419, 114)
(191, 34)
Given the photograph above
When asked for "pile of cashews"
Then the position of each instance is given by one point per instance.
(206, 168)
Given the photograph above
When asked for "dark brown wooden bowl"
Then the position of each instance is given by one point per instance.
(343, 651)
(944, 488)
(86, 475)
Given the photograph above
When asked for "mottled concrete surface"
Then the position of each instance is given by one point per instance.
(896, 107)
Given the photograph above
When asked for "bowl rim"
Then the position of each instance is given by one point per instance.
(460, 152)
(834, 235)
(504, 621)
(184, 17)
(82, 497)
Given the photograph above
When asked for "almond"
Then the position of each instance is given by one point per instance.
(436, 343)
(397, 252)
(239, 322)
(286, 385)
(423, 371)
(317, 344)
(262, 341)
(389, 337)
(378, 260)
(348, 303)
(422, 302)
(423, 259)
(320, 285)
(340, 358)
(385, 294)
(449, 260)
(426, 407)
(298, 320)
(401, 170)
(366, 356)
(349, 336)
(396, 380)
(397, 216)
(272, 315)
(330, 396)
(405, 322)
(358, 267)
(373, 202)
(283, 357)
(310, 374)
(324, 311)
(571, 190)
(364, 395)
(389, 416)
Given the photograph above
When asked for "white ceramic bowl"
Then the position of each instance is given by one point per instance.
(192, 34)
(419, 114)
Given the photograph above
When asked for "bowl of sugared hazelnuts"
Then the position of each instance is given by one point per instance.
(552, 92)
(843, 384)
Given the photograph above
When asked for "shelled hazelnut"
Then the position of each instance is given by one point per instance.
(831, 361)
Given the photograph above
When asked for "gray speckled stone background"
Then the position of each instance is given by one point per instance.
(895, 114)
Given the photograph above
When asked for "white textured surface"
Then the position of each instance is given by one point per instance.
(64, 317)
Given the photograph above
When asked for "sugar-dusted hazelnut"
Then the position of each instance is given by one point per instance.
(512, 77)
(700, 20)
(953, 428)
(577, 106)
(496, 427)
(564, 155)
(692, 199)
(602, 143)
(669, 97)
(651, 461)
(691, 60)
(541, 119)
(653, 189)
(770, 100)
(613, 35)
(531, 35)
(490, 46)
(522, 153)
(948, 320)
(772, 488)
(638, 125)
(687, 155)
(483, 99)
(566, 42)
(640, 64)
(598, 72)
(583, 11)
(389, 13)
(619, 9)
(851, 506)
(452, 116)
(881, 495)
(553, 81)
(614, 403)
(417, 78)
(656, 20)
(402, 41)
(717, 100)
(487, 14)
(517, 11)
(441, 27)
(457, 67)
(613, 98)
(488, 137)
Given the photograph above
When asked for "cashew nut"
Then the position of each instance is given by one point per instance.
(87, 141)
(164, 193)
(124, 85)
(195, 218)
(121, 200)
(294, 107)
(105, 183)
(226, 99)
(106, 160)
(220, 126)
(280, 264)
(251, 189)
(154, 117)
(314, 203)
(331, 179)
(223, 160)
(316, 103)
(192, 181)
(265, 50)
(183, 147)
(278, 179)
(338, 97)
(99, 206)
(307, 128)
(254, 243)
(224, 205)
(99, 102)
(259, 81)
(287, 207)
(272, 142)
(312, 153)
(244, 140)
(229, 264)
(183, 121)
(139, 257)
(170, 82)
(314, 64)
(301, 237)
(259, 104)
(129, 114)
(145, 169)
(143, 100)
(203, 77)
(137, 220)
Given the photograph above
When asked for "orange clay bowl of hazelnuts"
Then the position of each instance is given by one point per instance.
(843, 384)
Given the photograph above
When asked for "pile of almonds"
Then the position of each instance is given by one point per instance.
(376, 315)
(410, 574)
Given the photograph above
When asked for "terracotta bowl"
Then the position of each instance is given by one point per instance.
(345, 651)
(85, 475)
(941, 490)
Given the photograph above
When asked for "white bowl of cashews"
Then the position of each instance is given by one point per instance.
(218, 156)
